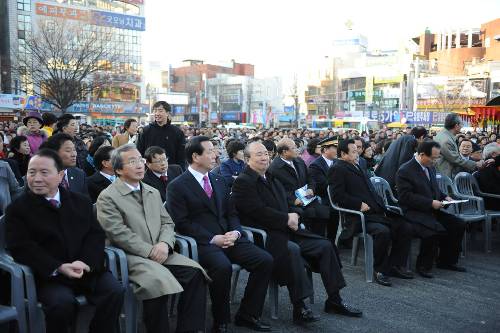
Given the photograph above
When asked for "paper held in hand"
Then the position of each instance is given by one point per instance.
(301, 194)
(453, 202)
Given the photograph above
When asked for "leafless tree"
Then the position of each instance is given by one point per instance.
(61, 59)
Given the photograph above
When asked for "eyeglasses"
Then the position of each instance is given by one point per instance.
(136, 161)
(163, 160)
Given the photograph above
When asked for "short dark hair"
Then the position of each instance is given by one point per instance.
(419, 132)
(128, 122)
(64, 120)
(102, 154)
(451, 121)
(49, 119)
(343, 147)
(50, 153)
(426, 147)
(164, 104)
(194, 146)
(16, 142)
(234, 147)
(311, 145)
(465, 140)
(96, 143)
(270, 145)
(56, 141)
(152, 151)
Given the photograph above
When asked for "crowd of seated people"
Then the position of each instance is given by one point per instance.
(142, 201)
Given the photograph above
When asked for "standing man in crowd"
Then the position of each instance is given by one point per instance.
(160, 173)
(352, 189)
(450, 162)
(49, 123)
(54, 232)
(421, 201)
(465, 149)
(74, 178)
(135, 220)
(200, 207)
(261, 202)
(163, 134)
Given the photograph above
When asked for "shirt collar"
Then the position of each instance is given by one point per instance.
(111, 178)
(416, 159)
(328, 161)
(198, 175)
(287, 161)
(56, 197)
(133, 188)
(158, 174)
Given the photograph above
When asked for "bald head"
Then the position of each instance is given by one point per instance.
(287, 149)
(258, 157)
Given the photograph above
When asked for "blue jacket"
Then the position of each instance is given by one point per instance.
(230, 168)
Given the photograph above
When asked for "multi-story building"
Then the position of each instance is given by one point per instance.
(244, 99)
(122, 22)
(192, 79)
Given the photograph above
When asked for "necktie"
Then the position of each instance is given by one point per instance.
(206, 186)
(427, 173)
(54, 203)
(163, 178)
(64, 183)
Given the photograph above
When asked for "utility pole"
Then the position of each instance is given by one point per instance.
(296, 100)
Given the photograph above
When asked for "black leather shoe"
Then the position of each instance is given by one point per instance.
(399, 273)
(454, 268)
(303, 315)
(251, 322)
(222, 328)
(425, 273)
(342, 308)
(382, 279)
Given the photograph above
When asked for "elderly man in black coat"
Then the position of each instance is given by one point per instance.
(421, 201)
(54, 232)
(261, 202)
(292, 172)
(351, 188)
(318, 170)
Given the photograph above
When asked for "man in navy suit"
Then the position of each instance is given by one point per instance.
(199, 204)
(104, 176)
(318, 170)
(74, 178)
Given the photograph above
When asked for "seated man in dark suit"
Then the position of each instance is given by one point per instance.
(159, 173)
(199, 204)
(74, 178)
(104, 175)
(54, 232)
(318, 170)
(292, 172)
(351, 188)
(421, 201)
(261, 202)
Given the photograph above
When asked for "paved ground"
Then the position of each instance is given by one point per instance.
(451, 302)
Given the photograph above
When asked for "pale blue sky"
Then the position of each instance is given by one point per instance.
(282, 36)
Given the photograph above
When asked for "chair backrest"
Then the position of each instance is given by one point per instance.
(445, 185)
(2, 235)
(383, 189)
(465, 183)
(329, 190)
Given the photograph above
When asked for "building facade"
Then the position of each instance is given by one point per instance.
(122, 22)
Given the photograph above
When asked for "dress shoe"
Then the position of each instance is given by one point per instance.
(425, 273)
(452, 267)
(303, 315)
(251, 322)
(222, 328)
(382, 279)
(399, 273)
(342, 308)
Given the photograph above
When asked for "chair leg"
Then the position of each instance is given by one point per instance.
(487, 234)
(355, 249)
(369, 258)
(408, 260)
(464, 244)
(234, 284)
(130, 305)
(273, 299)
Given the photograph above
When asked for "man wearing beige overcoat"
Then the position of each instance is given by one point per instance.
(134, 219)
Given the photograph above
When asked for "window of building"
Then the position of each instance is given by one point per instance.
(24, 5)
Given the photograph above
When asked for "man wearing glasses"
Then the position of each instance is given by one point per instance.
(160, 173)
(163, 134)
(134, 219)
